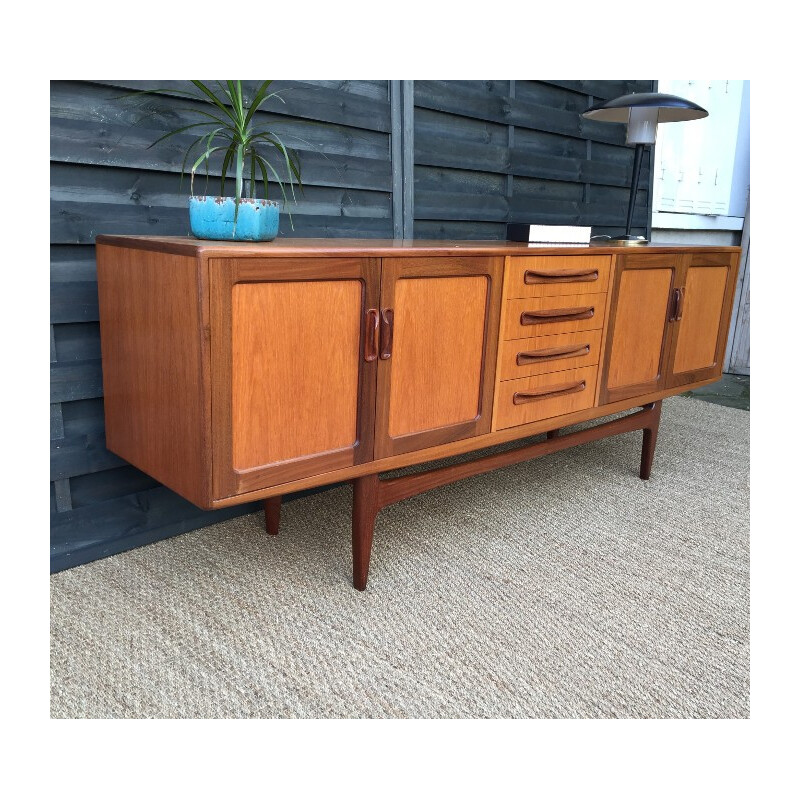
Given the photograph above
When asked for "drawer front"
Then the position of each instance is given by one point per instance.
(520, 358)
(544, 396)
(546, 316)
(553, 276)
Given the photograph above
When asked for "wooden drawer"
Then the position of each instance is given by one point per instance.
(544, 396)
(541, 354)
(552, 276)
(546, 316)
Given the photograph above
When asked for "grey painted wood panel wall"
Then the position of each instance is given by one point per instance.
(491, 152)
(379, 159)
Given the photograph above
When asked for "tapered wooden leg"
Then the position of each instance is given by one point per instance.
(365, 509)
(649, 442)
(272, 514)
(552, 434)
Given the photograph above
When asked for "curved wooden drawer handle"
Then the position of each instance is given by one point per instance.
(548, 353)
(556, 315)
(371, 335)
(541, 394)
(387, 332)
(561, 276)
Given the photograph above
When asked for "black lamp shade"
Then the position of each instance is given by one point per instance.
(670, 108)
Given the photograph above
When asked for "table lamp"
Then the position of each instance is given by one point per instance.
(643, 112)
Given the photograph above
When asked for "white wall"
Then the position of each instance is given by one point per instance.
(701, 187)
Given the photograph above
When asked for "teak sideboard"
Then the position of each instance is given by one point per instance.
(235, 372)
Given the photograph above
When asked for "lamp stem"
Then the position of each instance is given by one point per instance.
(637, 168)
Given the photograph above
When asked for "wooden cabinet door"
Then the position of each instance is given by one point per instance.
(702, 314)
(293, 388)
(638, 327)
(438, 350)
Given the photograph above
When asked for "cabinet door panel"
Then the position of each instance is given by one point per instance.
(638, 327)
(293, 395)
(700, 334)
(295, 369)
(436, 385)
(439, 328)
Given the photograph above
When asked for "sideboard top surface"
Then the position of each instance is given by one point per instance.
(281, 248)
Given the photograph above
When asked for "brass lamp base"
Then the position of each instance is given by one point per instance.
(620, 241)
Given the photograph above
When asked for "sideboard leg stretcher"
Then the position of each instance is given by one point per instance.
(371, 494)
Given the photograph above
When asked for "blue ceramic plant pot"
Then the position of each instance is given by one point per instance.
(212, 218)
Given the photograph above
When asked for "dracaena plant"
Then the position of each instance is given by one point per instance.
(230, 131)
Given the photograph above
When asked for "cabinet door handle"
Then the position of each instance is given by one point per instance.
(556, 315)
(387, 332)
(561, 276)
(679, 295)
(547, 353)
(540, 394)
(371, 335)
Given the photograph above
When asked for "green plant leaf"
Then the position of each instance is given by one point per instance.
(260, 97)
(292, 170)
(226, 162)
(215, 100)
(263, 169)
(176, 131)
(206, 155)
(280, 184)
(239, 173)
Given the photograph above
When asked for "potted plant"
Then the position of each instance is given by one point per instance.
(231, 134)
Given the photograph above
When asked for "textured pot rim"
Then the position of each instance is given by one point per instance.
(204, 198)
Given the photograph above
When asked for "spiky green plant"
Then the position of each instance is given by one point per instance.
(231, 131)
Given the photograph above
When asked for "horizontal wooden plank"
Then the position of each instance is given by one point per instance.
(446, 96)
(445, 179)
(301, 99)
(81, 455)
(99, 487)
(446, 205)
(76, 142)
(86, 221)
(543, 93)
(460, 154)
(72, 264)
(518, 161)
(429, 122)
(458, 229)
(77, 341)
(103, 529)
(75, 381)
(87, 201)
(604, 90)
(83, 417)
(74, 302)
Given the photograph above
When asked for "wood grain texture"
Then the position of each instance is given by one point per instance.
(563, 314)
(439, 334)
(697, 348)
(560, 395)
(295, 369)
(520, 358)
(459, 447)
(156, 379)
(438, 384)
(367, 248)
(551, 276)
(638, 329)
(292, 393)
(696, 342)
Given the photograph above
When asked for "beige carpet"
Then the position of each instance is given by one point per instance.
(563, 587)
